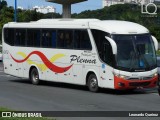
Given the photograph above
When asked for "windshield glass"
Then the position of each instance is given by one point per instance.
(135, 52)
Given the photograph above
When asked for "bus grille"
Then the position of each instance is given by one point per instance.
(135, 84)
(142, 78)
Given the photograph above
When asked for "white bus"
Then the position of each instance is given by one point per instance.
(100, 54)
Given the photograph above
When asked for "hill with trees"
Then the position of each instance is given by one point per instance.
(127, 12)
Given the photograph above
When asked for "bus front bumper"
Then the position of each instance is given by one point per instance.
(122, 84)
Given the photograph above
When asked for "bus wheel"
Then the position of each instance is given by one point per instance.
(93, 83)
(34, 76)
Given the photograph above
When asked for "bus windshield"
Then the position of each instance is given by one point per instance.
(135, 53)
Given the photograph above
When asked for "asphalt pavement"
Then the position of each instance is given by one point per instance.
(20, 94)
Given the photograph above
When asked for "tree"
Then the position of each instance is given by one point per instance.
(6, 15)
(3, 3)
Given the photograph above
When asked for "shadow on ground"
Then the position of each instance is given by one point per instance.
(84, 88)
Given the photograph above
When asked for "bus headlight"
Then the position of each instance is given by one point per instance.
(124, 77)
(155, 74)
(121, 76)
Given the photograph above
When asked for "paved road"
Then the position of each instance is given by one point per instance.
(19, 94)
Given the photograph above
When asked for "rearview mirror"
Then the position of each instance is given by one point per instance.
(113, 44)
(155, 42)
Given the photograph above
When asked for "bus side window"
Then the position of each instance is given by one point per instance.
(34, 37)
(20, 37)
(46, 38)
(69, 39)
(82, 40)
(9, 36)
(54, 38)
(65, 39)
(60, 41)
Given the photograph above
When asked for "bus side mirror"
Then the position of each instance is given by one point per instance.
(155, 42)
(113, 44)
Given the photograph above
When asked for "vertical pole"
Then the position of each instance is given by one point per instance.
(66, 10)
(15, 11)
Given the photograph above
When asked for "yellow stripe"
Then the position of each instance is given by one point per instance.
(42, 67)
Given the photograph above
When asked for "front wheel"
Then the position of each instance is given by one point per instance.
(34, 76)
(93, 83)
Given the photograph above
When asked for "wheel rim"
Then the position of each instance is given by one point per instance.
(35, 76)
(93, 83)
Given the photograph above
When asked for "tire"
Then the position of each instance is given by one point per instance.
(93, 83)
(34, 76)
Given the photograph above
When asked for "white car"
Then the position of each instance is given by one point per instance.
(0, 52)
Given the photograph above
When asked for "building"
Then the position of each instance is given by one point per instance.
(113, 2)
(20, 8)
(44, 10)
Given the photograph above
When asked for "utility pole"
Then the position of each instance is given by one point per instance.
(15, 11)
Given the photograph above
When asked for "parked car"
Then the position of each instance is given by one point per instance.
(0, 52)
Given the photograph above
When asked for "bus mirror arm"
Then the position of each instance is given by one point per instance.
(113, 44)
(155, 42)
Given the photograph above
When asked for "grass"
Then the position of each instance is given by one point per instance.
(2, 109)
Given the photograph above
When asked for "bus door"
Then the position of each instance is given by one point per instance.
(106, 69)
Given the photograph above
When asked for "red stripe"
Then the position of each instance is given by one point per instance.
(51, 66)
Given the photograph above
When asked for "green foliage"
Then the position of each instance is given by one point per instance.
(28, 15)
(6, 15)
(158, 53)
(127, 12)
(3, 3)
(52, 15)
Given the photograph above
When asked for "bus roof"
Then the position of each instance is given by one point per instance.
(110, 26)
(119, 27)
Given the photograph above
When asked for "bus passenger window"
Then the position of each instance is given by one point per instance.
(9, 36)
(46, 38)
(20, 37)
(82, 40)
(65, 39)
(68, 40)
(34, 37)
(60, 41)
(54, 39)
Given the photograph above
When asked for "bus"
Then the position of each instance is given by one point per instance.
(109, 54)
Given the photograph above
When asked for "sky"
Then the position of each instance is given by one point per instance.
(76, 8)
